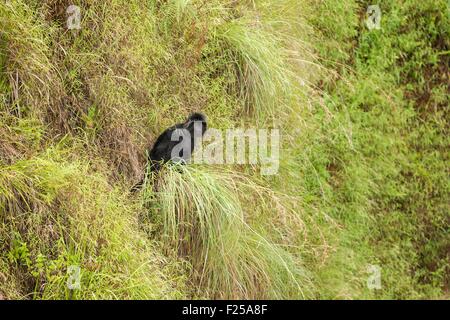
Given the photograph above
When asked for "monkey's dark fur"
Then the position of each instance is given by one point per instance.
(195, 126)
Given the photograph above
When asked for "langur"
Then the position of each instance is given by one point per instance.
(176, 144)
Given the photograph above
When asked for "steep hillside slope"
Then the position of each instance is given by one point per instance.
(362, 184)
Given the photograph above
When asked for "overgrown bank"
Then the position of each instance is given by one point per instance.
(363, 177)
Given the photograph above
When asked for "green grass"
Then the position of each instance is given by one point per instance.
(363, 174)
(201, 217)
(389, 193)
(56, 214)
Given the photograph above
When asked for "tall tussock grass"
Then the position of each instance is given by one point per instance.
(25, 42)
(54, 214)
(200, 217)
(362, 182)
(261, 71)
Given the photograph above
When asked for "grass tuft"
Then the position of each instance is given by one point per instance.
(200, 217)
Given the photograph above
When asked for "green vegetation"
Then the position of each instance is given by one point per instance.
(202, 219)
(363, 176)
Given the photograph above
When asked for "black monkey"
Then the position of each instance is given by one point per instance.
(176, 143)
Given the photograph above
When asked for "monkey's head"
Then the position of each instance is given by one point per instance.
(196, 121)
